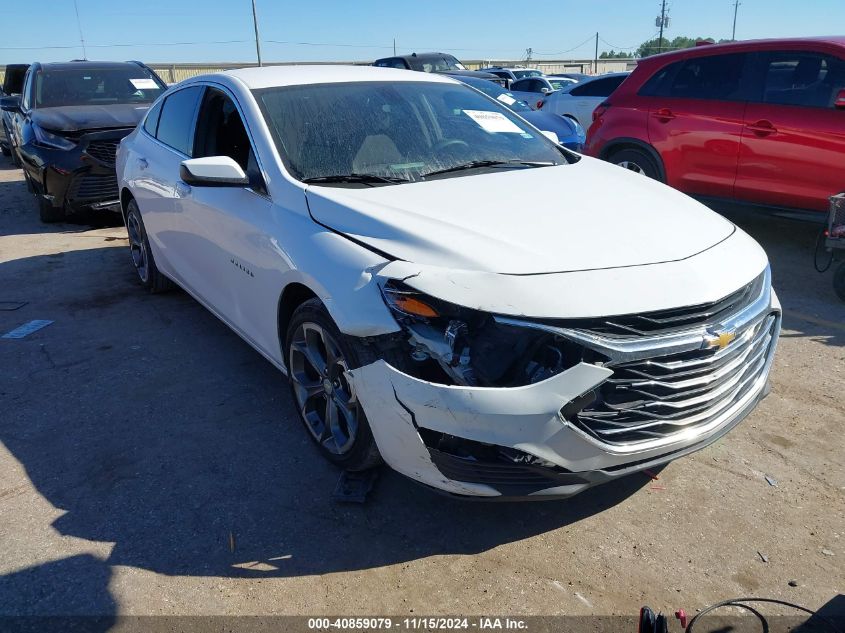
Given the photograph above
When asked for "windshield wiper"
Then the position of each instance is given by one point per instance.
(490, 163)
(366, 179)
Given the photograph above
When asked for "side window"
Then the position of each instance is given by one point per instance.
(25, 93)
(151, 120)
(802, 79)
(520, 86)
(220, 131)
(175, 122)
(717, 77)
(598, 88)
(393, 62)
(659, 83)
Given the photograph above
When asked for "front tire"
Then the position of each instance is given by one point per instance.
(318, 358)
(839, 281)
(142, 254)
(48, 213)
(637, 161)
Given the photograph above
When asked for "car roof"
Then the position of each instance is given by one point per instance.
(747, 45)
(84, 64)
(296, 75)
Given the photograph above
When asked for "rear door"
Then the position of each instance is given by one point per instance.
(165, 140)
(696, 118)
(793, 144)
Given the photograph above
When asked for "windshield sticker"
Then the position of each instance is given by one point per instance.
(144, 84)
(506, 99)
(493, 121)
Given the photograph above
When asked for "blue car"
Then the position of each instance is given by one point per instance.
(569, 132)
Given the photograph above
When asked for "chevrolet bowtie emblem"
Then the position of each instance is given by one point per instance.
(718, 340)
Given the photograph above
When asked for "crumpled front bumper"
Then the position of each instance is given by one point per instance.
(545, 454)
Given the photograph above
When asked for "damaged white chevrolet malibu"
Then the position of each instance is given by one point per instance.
(369, 231)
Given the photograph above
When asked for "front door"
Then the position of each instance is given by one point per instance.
(793, 144)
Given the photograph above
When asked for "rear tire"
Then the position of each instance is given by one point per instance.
(637, 161)
(317, 356)
(142, 254)
(48, 213)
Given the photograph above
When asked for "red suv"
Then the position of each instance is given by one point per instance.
(760, 122)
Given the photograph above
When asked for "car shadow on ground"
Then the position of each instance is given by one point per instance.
(154, 427)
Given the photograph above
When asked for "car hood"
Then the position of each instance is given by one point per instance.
(585, 216)
(89, 117)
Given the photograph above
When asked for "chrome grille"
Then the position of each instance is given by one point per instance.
(104, 151)
(664, 321)
(660, 396)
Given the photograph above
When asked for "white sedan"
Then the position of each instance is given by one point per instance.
(366, 230)
(578, 100)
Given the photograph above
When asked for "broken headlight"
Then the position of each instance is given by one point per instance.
(455, 345)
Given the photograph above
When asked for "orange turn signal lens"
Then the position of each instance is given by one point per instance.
(412, 305)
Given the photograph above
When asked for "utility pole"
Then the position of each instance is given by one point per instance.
(736, 9)
(661, 22)
(529, 52)
(596, 60)
(394, 47)
(79, 25)
(257, 39)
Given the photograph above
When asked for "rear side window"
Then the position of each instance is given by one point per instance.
(802, 79)
(599, 87)
(718, 77)
(151, 120)
(175, 123)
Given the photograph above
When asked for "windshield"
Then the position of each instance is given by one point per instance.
(95, 86)
(403, 131)
(522, 74)
(560, 84)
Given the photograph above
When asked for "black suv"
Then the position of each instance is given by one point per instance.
(441, 63)
(67, 124)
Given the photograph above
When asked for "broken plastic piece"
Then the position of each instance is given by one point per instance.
(353, 487)
(772, 481)
(682, 617)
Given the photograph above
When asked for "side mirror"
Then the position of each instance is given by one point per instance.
(10, 104)
(839, 104)
(546, 91)
(552, 136)
(213, 171)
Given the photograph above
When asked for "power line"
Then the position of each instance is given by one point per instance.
(581, 45)
(621, 48)
(120, 45)
(79, 24)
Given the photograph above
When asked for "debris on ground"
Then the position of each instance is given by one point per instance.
(772, 481)
(827, 552)
(353, 487)
(27, 328)
(763, 557)
(793, 583)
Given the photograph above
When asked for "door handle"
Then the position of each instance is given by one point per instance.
(664, 114)
(142, 163)
(182, 190)
(762, 128)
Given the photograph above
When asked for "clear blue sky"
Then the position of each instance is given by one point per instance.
(364, 29)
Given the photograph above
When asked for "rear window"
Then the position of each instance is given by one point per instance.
(90, 85)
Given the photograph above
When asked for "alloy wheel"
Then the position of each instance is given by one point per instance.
(632, 166)
(324, 394)
(137, 247)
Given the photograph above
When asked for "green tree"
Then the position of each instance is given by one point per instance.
(651, 47)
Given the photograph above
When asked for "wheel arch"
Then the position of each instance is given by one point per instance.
(621, 143)
(125, 197)
(293, 295)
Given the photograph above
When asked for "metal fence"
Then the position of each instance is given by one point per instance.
(174, 73)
